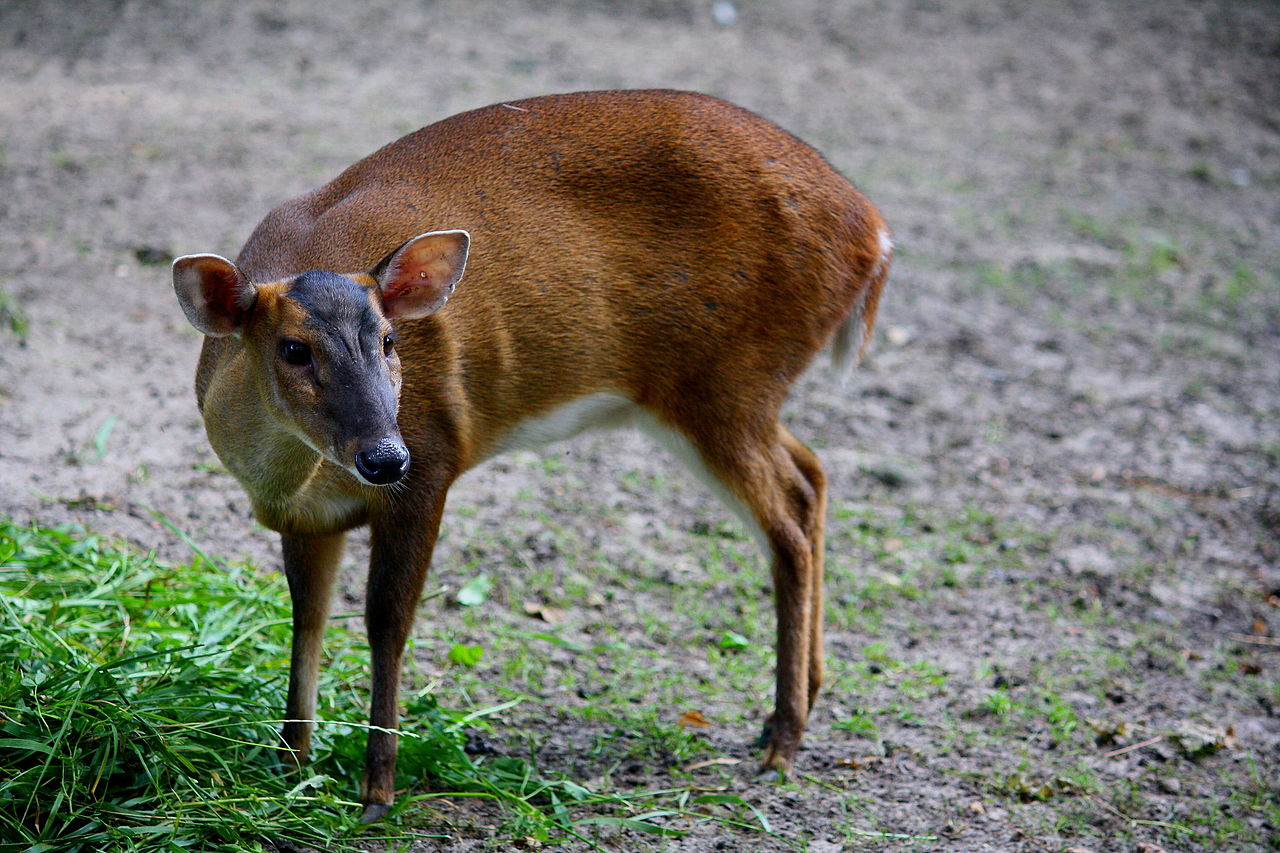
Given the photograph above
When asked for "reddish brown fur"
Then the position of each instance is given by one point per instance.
(665, 247)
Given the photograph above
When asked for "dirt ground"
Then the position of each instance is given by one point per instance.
(1065, 438)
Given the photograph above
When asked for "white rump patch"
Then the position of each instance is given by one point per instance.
(886, 249)
(851, 338)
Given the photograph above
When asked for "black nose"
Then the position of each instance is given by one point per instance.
(384, 464)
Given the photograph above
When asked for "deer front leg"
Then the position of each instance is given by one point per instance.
(310, 566)
(402, 543)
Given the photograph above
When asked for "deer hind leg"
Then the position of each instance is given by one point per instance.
(777, 485)
(814, 512)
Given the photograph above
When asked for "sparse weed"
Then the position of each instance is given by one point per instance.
(13, 318)
(998, 702)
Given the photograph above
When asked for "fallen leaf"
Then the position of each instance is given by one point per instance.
(550, 615)
(726, 762)
(692, 718)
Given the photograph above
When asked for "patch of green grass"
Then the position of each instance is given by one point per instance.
(1221, 824)
(140, 704)
(904, 551)
(647, 737)
(1180, 269)
(1089, 226)
(1240, 285)
(998, 702)
(1060, 715)
(1021, 282)
(921, 680)
(858, 723)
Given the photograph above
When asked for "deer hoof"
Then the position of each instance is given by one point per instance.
(374, 812)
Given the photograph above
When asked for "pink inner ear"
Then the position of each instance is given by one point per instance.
(406, 299)
(212, 292)
(220, 287)
(401, 283)
(419, 279)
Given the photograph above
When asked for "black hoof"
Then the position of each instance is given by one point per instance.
(374, 812)
(767, 775)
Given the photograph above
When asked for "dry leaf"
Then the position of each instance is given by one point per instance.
(1108, 732)
(1197, 739)
(1029, 789)
(548, 614)
(858, 763)
(692, 718)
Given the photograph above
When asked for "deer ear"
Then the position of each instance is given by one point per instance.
(417, 278)
(213, 293)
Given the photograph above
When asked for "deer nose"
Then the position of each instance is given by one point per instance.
(384, 464)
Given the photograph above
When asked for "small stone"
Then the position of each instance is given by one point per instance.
(724, 13)
(898, 336)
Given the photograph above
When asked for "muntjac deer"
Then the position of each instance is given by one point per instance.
(649, 258)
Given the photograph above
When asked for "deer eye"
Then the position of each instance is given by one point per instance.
(295, 352)
(388, 345)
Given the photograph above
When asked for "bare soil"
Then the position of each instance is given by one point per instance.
(1055, 482)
